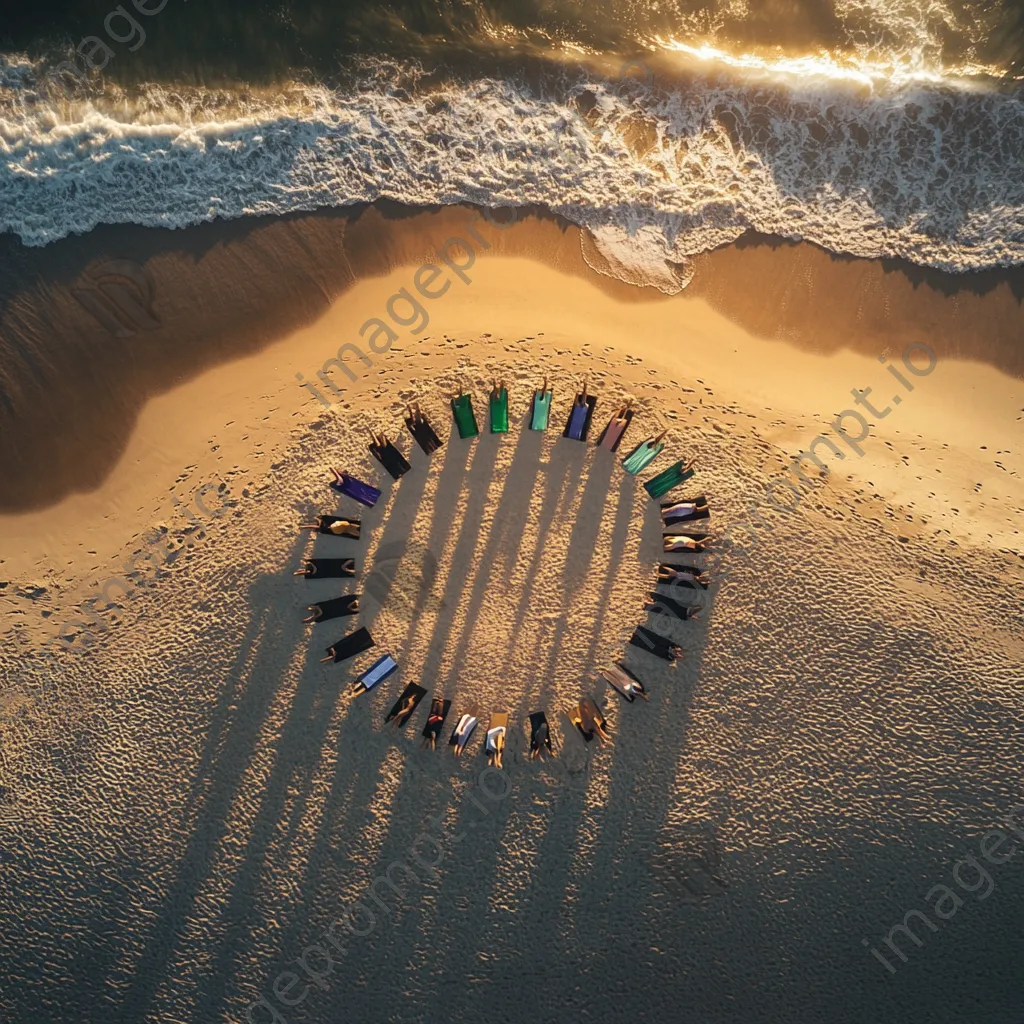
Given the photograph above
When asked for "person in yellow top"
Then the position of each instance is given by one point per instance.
(334, 525)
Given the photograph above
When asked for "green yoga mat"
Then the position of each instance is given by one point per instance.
(641, 457)
(541, 411)
(465, 421)
(499, 412)
(665, 481)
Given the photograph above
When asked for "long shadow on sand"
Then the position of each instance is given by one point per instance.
(331, 830)
(440, 918)
(262, 660)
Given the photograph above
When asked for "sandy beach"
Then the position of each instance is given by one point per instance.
(844, 725)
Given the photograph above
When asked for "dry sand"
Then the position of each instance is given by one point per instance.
(192, 803)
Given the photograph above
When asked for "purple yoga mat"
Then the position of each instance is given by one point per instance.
(577, 421)
(363, 493)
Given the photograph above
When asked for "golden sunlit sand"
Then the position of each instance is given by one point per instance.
(201, 718)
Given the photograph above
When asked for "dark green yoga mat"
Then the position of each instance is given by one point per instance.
(666, 480)
(499, 412)
(465, 421)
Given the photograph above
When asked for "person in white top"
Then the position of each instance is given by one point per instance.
(467, 723)
(680, 542)
(621, 679)
(685, 511)
(683, 575)
(495, 745)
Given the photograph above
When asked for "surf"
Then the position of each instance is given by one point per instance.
(658, 164)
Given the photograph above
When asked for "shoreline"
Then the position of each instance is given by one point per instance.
(203, 393)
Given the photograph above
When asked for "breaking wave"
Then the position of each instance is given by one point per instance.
(656, 168)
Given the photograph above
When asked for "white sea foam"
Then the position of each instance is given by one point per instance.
(927, 172)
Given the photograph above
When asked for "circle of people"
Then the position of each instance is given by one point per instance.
(585, 715)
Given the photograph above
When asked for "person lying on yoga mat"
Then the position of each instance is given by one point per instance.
(420, 428)
(684, 511)
(621, 679)
(332, 524)
(587, 717)
(383, 667)
(580, 414)
(676, 474)
(499, 408)
(494, 743)
(462, 413)
(683, 576)
(394, 462)
(612, 434)
(353, 488)
(327, 568)
(681, 542)
(659, 604)
(335, 608)
(406, 704)
(460, 737)
(435, 721)
(540, 735)
(643, 454)
(349, 646)
(541, 409)
(661, 647)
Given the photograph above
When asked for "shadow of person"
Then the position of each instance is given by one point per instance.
(243, 709)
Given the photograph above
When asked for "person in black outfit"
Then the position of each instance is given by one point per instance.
(419, 426)
(335, 608)
(394, 462)
(540, 735)
(659, 646)
(349, 646)
(660, 604)
(334, 525)
(327, 568)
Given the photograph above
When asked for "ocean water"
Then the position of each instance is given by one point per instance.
(870, 127)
